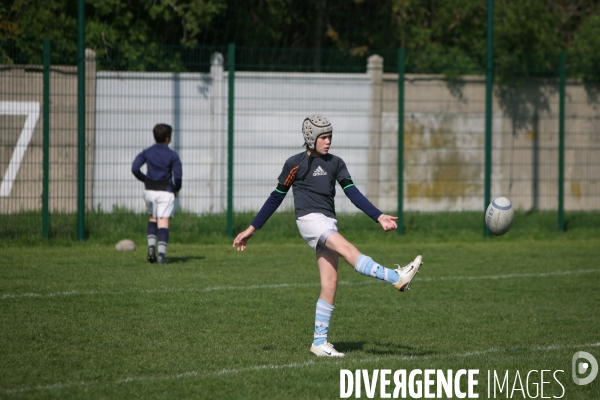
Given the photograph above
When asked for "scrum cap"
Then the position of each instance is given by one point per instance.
(313, 126)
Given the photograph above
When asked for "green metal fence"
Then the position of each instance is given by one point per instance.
(411, 127)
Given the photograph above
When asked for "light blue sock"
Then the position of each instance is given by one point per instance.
(366, 266)
(322, 317)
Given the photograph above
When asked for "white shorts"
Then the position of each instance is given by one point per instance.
(160, 204)
(315, 228)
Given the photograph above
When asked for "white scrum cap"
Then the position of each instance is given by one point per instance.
(313, 126)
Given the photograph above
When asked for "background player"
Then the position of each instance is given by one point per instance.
(162, 183)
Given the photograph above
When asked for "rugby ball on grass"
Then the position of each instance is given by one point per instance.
(125, 245)
(499, 216)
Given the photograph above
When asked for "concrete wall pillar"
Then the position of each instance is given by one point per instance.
(375, 73)
(90, 125)
(217, 184)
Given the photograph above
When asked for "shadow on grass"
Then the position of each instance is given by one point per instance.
(382, 348)
(183, 259)
(349, 346)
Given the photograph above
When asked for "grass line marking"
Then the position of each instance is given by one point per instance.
(287, 285)
(202, 375)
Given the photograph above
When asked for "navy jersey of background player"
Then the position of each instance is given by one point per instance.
(163, 168)
(315, 179)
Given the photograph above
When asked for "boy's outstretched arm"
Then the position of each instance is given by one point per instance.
(241, 239)
(270, 206)
(387, 222)
(261, 218)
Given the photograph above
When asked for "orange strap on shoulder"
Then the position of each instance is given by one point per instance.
(291, 176)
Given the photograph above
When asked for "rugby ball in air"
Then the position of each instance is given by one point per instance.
(499, 216)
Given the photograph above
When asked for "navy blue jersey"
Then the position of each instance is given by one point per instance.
(313, 182)
(164, 170)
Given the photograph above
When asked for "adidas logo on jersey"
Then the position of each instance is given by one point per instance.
(319, 171)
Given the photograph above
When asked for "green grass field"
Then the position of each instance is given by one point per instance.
(80, 320)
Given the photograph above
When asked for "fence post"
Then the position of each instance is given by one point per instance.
(81, 121)
(489, 79)
(401, 66)
(561, 142)
(46, 143)
(230, 120)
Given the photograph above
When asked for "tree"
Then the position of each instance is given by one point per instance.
(109, 23)
(439, 35)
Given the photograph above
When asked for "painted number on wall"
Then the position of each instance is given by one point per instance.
(32, 110)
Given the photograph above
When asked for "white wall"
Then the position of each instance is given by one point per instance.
(269, 110)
